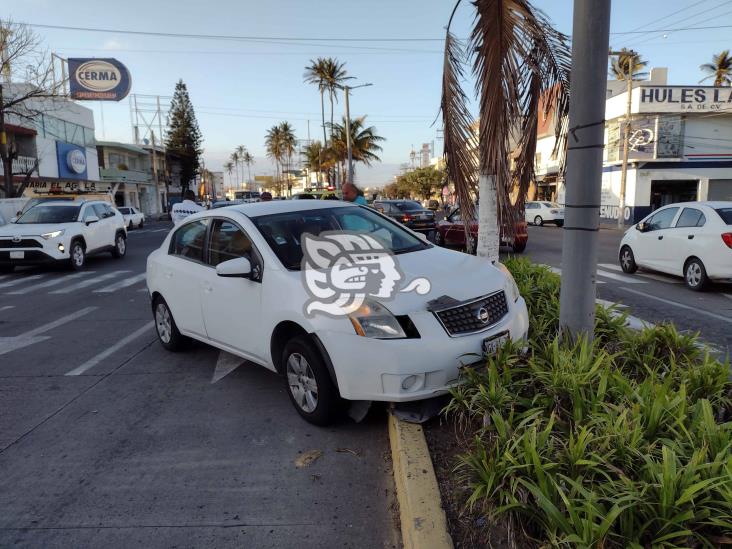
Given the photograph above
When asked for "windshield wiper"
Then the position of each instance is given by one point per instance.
(409, 249)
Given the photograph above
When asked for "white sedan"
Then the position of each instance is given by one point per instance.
(392, 318)
(690, 239)
(540, 213)
(134, 218)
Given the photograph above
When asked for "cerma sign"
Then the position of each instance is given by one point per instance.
(684, 99)
(98, 79)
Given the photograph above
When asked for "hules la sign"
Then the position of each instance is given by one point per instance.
(682, 99)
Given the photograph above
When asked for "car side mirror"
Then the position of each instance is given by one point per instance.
(240, 267)
(641, 227)
(91, 219)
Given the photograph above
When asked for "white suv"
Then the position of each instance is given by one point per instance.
(62, 232)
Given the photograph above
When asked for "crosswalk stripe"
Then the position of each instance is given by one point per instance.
(121, 284)
(87, 283)
(6, 307)
(621, 278)
(659, 278)
(52, 282)
(558, 271)
(17, 281)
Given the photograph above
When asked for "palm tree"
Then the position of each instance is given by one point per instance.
(521, 65)
(248, 160)
(720, 69)
(288, 142)
(241, 150)
(229, 167)
(313, 157)
(364, 143)
(273, 145)
(628, 62)
(235, 159)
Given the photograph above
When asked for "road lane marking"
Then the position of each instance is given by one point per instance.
(6, 307)
(52, 282)
(17, 281)
(109, 351)
(621, 278)
(8, 344)
(681, 305)
(225, 364)
(121, 284)
(558, 271)
(661, 278)
(87, 283)
(728, 296)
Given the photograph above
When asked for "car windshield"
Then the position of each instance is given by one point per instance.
(50, 214)
(408, 206)
(725, 214)
(283, 231)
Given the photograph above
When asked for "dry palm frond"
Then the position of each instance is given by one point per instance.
(460, 142)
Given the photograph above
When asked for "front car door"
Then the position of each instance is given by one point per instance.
(183, 269)
(92, 231)
(232, 306)
(106, 224)
(650, 249)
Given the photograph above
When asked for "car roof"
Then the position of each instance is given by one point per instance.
(256, 209)
(74, 203)
(714, 204)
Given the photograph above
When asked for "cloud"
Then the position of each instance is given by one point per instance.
(113, 44)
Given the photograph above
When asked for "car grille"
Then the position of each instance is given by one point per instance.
(466, 318)
(24, 243)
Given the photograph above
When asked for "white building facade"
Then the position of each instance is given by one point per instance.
(680, 148)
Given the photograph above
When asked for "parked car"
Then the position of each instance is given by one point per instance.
(538, 213)
(409, 213)
(231, 278)
(451, 232)
(690, 239)
(225, 203)
(305, 196)
(134, 218)
(62, 232)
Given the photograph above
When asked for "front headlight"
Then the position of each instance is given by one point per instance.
(376, 321)
(510, 287)
(52, 234)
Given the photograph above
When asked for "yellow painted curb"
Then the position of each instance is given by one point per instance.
(423, 521)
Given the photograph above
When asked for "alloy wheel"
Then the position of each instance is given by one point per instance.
(78, 255)
(693, 274)
(163, 323)
(302, 382)
(625, 259)
(121, 245)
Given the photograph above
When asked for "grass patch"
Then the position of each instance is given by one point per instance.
(620, 442)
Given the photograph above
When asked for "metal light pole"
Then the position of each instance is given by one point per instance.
(626, 138)
(347, 89)
(590, 38)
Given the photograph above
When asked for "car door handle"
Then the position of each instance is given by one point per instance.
(660, 238)
(690, 237)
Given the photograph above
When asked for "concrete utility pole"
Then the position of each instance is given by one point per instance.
(632, 55)
(590, 39)
(349, 145)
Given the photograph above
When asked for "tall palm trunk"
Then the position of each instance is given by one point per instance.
(237, 174)
(249, 175)
(489, 235)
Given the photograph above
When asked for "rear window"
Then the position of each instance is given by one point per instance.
(408, 206)
(124, 211)
(725, 214)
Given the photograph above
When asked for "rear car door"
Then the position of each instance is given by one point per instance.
(686, 239)
(232, 306)
(183, 268)
(106, 224)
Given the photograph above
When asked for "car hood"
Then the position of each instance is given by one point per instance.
(31, 229)
(449, 273)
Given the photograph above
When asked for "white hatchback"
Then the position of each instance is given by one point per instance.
(539, 213)
(690, 239)
(235, 278)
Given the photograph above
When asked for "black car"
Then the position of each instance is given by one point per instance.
(410, 213)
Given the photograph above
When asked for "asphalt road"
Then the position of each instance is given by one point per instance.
(108, 440)
(651, 297)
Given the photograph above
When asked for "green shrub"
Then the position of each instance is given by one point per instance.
(620, 442)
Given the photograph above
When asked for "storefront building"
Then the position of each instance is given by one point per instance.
(128, 170)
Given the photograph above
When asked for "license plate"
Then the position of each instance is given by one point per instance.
(493, 343)
(17, 255)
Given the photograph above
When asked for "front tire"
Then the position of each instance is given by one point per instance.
(627, 260)
(695, 275)
(439, 239)
(141, 225)
(77, 256)
(538, 221)
(560, 223)
(120, 246)
(308, 383)
(165, 326)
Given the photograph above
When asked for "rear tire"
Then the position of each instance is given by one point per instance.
(695, 275)
(308, 382)
(560, 224)
(120, 246)
(439, 239)
(538, 221)
(627, 260)
(77, 256)
(165, 326)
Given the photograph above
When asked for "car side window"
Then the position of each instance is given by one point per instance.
(227, 242)
(661, 220)
(108, 211)
(188, 241)
(99, 211)
(691, 217)
(454, 217)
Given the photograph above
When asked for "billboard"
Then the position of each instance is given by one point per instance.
(71, 161)
(98, 79)
(677, 99)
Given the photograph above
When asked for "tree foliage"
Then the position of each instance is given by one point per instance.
(720, 69)
(421, 182)
(184, 136)
(628, 62)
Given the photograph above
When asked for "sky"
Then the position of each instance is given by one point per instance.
(240, 88)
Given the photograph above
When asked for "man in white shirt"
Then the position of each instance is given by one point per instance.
(181, 210)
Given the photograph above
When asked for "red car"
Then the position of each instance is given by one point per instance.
(450, 232)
